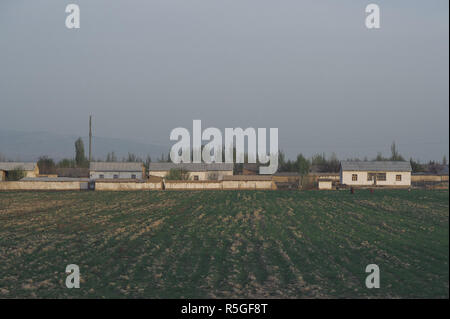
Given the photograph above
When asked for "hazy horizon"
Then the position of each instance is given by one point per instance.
(310, 69)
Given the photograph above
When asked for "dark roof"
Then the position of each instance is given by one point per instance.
(54, 179)
(191, 167)
(9, 166)
(287, 174)
(324, 174)
(386, 166)
(116, 166)
(72, 172)
(251, 166)
(247, 178)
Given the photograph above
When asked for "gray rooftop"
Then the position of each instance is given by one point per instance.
(385, 166)
(116, 166)
(9, 166)
(54, 179)
(191, 167)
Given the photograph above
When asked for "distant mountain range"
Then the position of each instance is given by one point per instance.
(29, 146)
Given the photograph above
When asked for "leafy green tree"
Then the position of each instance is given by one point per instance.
(46, 165)
(416, 166)
(395, 155)
(111, 157)
(147, 162)
(66, 163)
(380, 157)
(133, 158)
(80, 158)
(303, 165)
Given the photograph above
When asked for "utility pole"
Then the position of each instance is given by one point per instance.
(90, 138)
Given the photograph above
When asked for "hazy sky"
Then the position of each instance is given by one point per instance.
(310, 68)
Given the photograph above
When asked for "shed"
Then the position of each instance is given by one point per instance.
(325, 184)
(30, 169)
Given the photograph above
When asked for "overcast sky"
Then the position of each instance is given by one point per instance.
(310, 68)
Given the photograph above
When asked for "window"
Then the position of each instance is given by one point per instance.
(133, 176)
(398, 178)
(371, 176)
(381, 176)
(116, 176)
(195, 177)
(102, 176)
(354, 177)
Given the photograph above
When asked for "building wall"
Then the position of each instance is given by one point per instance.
(2, 176)
(285, 179)
(317, 176)
(33, 173)
(110, 175)
(346, 179)
(202, 176)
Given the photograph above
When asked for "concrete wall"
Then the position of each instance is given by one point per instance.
(346, 179)
(121, 175)
(205, 185)
(248, 185)
(31, 185)
(429, 178)
(122, 186)
(172, 185)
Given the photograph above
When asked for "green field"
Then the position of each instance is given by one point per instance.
(225, 244)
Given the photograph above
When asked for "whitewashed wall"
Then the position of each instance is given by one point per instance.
(346, 179)
(110, 175)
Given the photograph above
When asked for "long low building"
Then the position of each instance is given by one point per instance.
(116, 170)
(30, 169)
(376, 173)
(195, 171)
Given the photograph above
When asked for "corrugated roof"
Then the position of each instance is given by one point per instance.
(191, 167)
(9, 166)
(54, 179)
(294, 174)
(386, 166)
(247, 178)
(116, 166)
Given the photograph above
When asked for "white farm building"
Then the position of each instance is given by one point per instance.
(116, 170)
(376, 173)
(195, 171)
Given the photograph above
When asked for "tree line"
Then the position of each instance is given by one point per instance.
(320, 163)
(301, 164)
